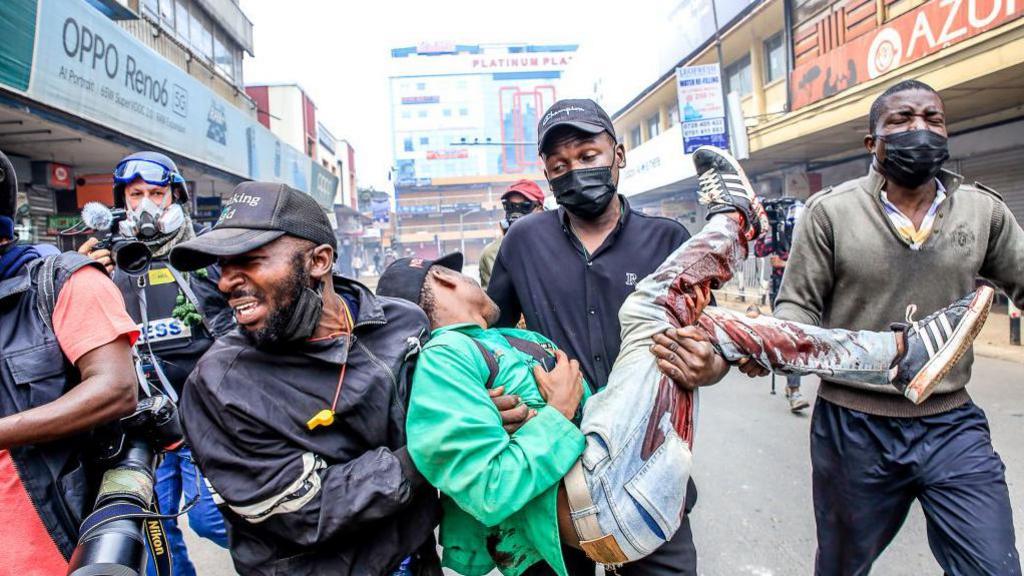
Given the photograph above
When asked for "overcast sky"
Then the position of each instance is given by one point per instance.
(339, 51)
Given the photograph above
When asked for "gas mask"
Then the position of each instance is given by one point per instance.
(514, 211)
(149, 219)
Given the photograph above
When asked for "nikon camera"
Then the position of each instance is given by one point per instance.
(113, 537)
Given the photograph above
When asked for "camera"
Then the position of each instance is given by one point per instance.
(113, 539)
(782, 216)
(129, 253)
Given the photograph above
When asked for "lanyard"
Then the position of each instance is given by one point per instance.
(325, 417)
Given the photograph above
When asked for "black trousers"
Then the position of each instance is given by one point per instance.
(869, 469)
(678, 557)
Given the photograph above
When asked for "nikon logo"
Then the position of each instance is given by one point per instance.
(156, 537)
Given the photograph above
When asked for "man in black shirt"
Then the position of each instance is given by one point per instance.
(568, 271)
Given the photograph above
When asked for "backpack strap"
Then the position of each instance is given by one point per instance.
(535, 350)
(49, 275)
(490, 360)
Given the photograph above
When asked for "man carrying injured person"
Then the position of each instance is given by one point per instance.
(616, 486)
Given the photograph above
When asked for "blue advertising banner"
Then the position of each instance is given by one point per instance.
(88, 66)
(701, 107)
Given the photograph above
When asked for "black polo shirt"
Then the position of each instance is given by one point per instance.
(543, 272)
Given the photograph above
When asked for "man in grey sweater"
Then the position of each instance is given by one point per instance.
(908, 232)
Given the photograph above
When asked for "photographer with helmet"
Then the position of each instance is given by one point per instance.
(65, 345)
(179, 314)
(782, 216)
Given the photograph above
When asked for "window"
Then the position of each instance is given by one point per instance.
(463, 111)
(653, 126)
(152, 7)
(167, 12)
(774, 59)
(181, 15)
(406, 113)
(635, 137)
(407, 145)
(223, 59)
(447, 112)
(461, 85)
(673, 116)
(421, 86)
(424, 141)
(737, 77)
(422, 114)
(199, 35)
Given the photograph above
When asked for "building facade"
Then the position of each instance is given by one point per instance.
(801, 75)
(464, 124)
(85, 82)
(805, 73)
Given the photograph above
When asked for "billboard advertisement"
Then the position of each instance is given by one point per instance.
(701, 107)
(911, 36)
(86, 65)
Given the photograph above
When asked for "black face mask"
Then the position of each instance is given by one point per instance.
(305, 316)
(915, 157)
(586, 192)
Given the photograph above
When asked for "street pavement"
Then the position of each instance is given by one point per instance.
(754, 513)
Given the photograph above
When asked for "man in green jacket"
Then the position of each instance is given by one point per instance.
(505, 505)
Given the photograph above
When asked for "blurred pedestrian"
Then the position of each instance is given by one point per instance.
(520, 199)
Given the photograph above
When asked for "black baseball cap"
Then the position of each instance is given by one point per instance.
(256, 214)
(584, 114)
(404, 278)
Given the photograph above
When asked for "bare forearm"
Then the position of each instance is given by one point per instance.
(81, 409)
(108, 391)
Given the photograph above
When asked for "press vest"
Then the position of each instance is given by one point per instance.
(177, 345)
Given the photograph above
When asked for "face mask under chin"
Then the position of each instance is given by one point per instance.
(585, 192)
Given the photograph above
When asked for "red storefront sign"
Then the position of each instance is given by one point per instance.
(448, 154)
(916, 34)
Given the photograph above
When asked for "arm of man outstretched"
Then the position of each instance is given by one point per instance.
(266, 479)
(456, 437)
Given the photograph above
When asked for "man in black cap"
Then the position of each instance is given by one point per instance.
(598, 248)
(297, 418)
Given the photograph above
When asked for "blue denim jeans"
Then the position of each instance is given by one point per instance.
(177, 476)
(640, 428)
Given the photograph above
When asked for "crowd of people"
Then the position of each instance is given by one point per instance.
(543, 417)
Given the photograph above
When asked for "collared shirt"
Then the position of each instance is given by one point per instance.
(544, 272)
(500, 491)
(912, 235)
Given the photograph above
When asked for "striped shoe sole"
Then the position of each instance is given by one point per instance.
(922, 386)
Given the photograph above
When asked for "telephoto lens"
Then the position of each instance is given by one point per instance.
(113, 537)
(118, 547)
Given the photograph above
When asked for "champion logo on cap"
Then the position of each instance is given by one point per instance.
(416, 263)
(551, 114)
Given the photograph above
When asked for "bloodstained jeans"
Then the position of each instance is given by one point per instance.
(639, 429)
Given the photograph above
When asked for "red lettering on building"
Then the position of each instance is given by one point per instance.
(912, 36)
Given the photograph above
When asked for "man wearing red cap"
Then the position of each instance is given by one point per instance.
(522, 198)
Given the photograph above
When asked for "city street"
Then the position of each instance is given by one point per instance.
(754, 515)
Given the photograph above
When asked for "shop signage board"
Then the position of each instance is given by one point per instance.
(923, 31)
(84, 64)
(701, 106)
